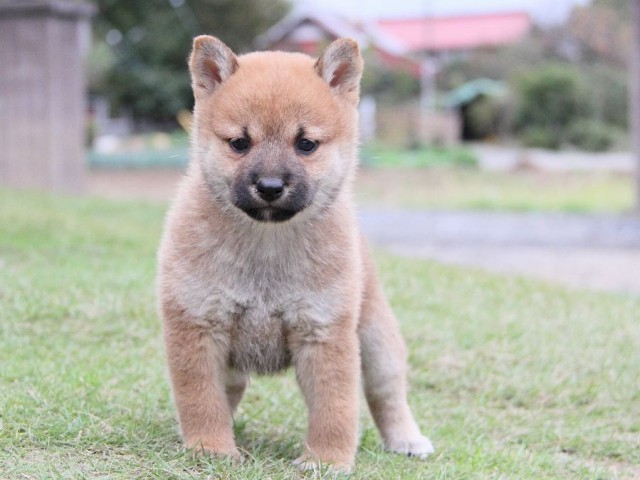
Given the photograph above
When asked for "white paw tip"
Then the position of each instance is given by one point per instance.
(306, 464)
(420, 447)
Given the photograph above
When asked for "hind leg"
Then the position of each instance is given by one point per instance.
(384, 373)
(235, 385)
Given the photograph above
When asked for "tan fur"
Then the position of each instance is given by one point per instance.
(239, 295)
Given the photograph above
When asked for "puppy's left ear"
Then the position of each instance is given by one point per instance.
(340, 65)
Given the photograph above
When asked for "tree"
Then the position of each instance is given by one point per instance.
(143, 46)
(603, 31)
(551, 99)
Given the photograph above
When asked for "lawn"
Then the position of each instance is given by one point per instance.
(381, 156)
(472, 189)
(448, 178)
(510, 378)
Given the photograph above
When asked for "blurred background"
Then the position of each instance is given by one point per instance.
(545, 74)
(549, 75)
(483, 124)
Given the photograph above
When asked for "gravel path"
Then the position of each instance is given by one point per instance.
(598, 252)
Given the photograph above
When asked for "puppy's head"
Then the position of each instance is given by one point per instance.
(275, 133)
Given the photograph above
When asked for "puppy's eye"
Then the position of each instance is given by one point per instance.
(240, 145)
(306, 146)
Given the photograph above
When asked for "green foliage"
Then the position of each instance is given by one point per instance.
(557, 108)
(493, 380)
(376, 155)
(564, 104)
(591, 135)
(541, 137)
(551, 97)
(388, 85)
(148, 71)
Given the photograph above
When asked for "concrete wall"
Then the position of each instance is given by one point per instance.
(42, 93)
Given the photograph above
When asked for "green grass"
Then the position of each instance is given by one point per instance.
(470, 189)
(510, 378)
(173, 157)
(376, 155)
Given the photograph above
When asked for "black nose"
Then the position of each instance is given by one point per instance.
(270, 189)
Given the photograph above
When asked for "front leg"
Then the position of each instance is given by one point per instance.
(328, 373)
(197, 365)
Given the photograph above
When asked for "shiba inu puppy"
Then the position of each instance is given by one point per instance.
(262, 266)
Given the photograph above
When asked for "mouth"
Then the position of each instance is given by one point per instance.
(270, 214)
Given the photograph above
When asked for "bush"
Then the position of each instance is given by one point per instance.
(591, 135)
(388, 85)
(552, 97)
(540, 137)
(558, 107)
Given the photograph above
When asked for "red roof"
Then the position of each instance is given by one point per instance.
(457, 33)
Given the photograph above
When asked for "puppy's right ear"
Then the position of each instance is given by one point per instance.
(211, 63)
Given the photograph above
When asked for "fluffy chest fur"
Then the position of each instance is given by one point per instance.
(259, 287)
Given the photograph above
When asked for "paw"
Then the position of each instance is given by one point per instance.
(217, 451)
(419, 446)
(307, 463)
